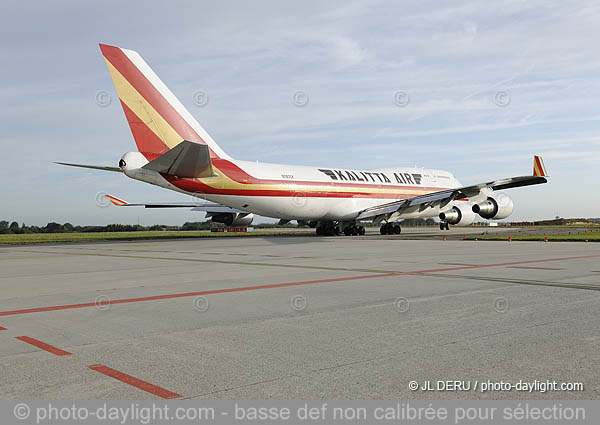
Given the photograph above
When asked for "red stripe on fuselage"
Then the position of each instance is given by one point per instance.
(146, 89)
(196, 186)
(238, 175)
(235, 173)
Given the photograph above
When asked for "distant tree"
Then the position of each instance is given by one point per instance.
(3, 225)
(68, 227)
(53, 228)
(196, 225)
(34, 229)
(14, 227)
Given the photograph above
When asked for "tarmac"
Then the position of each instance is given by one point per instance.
(299, 317)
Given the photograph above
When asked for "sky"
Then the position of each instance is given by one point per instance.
(472, 87)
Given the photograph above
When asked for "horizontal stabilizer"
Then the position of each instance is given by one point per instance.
(186, 160)
(94, 167)
(206, 206)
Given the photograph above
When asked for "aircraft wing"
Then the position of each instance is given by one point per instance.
(444, 197)
(207, 206)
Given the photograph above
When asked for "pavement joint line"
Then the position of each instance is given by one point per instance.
(284, 285)
(135, 382)
(42, 345)
(536, 268)
(249, 384)
(590, 287)
(200, 260)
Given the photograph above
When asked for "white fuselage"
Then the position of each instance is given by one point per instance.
(293, 192)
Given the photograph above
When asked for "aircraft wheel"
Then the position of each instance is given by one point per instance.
(397, 229)
(319, 231)
(354, 231)
(347, 231)
(447, 226)
(361, 230)
(387, 229)
(442, 226)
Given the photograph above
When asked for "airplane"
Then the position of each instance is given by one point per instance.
(176, 153)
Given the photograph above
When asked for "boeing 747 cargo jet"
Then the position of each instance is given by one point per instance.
(176, 153)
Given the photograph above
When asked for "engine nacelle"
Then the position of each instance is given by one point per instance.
(459, 214)
(132, 161)
(233, 219)
(494, 208)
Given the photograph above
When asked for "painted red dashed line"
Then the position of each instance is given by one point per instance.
(135, 382)
(3, 329)
(46, 347)
(281, 285)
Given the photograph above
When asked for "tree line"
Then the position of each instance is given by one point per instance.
(52, 227)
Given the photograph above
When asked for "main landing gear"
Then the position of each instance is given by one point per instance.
(354, 230)
(444, 225)
(327, 228)
(332, 228)
(390, 229)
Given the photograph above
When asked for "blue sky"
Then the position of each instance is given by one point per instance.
(484, 86)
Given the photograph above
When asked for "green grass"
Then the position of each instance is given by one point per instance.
(124, 236)
(591, 236)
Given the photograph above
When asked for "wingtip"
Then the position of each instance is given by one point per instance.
(539, 169)
(116, 201)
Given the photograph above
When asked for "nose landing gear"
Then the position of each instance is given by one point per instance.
(444, 225)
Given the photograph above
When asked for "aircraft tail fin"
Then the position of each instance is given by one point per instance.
(158, 120)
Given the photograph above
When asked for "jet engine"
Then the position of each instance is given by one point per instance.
(458, 214)
(233, 219)
(132, 161)
(496, 208)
